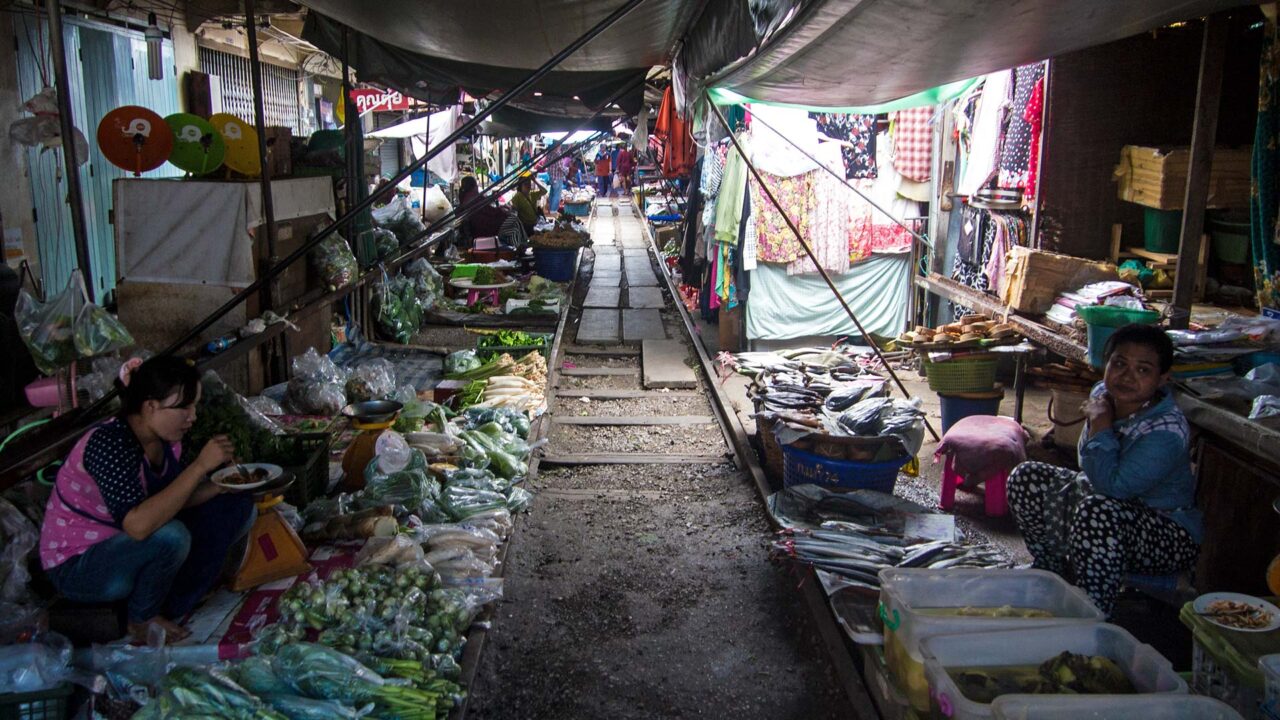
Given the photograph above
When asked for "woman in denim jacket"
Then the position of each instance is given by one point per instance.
(1132, 506)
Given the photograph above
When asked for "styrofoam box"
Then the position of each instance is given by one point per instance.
(1147, 669)
(1146, 707)
(904, 593)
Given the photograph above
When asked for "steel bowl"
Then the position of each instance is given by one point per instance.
(373, 411)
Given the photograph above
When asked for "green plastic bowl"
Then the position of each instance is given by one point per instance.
(1115, 317)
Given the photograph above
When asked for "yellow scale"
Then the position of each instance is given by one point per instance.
(275, 551)
(361, 451)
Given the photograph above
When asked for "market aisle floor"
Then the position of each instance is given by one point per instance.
(642, 591)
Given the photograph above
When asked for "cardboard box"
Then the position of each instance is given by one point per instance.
(1034, 278)
(1157, 177)
(665, 234)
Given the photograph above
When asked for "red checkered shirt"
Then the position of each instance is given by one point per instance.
(913, 143)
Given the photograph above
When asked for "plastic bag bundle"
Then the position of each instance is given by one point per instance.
(398, 309)
(877, 417)
(18, 537)
(398, 217)
(48, 328)
(461, 361)
(434, 204)
(317, 385)
(409, 486)
(222, 411)
(334, 262)
(371, 380)
(385, 243)
(35, 665)
(428, 285)
(98, 332)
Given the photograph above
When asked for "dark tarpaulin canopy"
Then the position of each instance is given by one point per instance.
(437, 79)
(842, 53)
(515, 122)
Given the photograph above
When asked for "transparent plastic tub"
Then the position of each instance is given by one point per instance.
(911, 599)
(1146, 707)
(1270, 667)
(1147, 669)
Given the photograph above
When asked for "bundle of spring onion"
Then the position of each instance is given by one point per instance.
(322, 673)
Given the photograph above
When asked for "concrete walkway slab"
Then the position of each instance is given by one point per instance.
(664, 365)
(645, 297)
(612, 280)
(641, 325)
(602, 297)
(598, 327)
(641, 278)
(608, 264)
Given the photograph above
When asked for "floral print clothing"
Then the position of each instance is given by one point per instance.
(775, 242)
(1015, 154)
(860, 132)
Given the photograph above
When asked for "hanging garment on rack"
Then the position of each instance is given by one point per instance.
(913, 143)
(830, 227)
(874, 231)
(677, 143)
(859, 131)
(1035, 118)
(690, 268)
(772, 150)
(729, 201)
(1015, 154)
(984, 134)
(775, 241)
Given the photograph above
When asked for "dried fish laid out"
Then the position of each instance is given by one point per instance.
(855, 535)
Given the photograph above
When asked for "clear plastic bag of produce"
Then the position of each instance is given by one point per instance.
(98, 332)
(392, 452)
(255, 675)
(371, 380)
(512, 421)
(477, 479)
(463, 502)
(408, 487)
(264, 405)
(461, 361)
(398, 311)
(317, 385)
(133, 672)
(396, 550)
(320, 672)
(496, 521)
(194, 693)
(48, 328)
(301, 708)
(327, 507)
(334, 262)
(519, 499)
(400, 218)
(425, 277)
(455, 534)
(385, 243)
(459, 562)
(222, 411)
(18, 537)
(877, 417)
(38, 664)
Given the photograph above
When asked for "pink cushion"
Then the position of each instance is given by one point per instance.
(984, 445)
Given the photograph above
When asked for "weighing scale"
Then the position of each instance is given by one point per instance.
(134, 138)
(370, 418)
(274, 550)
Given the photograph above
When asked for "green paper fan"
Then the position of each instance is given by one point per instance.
(197, 147)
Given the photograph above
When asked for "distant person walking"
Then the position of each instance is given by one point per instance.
(604, 169)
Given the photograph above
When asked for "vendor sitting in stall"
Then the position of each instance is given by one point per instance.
(1132, 508)
(525, 203)
(128, 521)
(485, 221)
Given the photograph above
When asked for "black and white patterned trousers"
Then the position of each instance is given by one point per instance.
(1093, 540)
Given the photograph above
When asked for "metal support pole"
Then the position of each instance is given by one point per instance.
(814, 258)
(353, 154)
(75, 196)
(260, 124)
(462, 131)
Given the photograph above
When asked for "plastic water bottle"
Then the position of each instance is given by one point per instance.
(216, 346)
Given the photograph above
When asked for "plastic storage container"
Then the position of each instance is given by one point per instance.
(1225, 663)
(1162, 230)
(1103, 320)
(1147, 669)
(805, 468)
(910, 600)
(1067, 418)
(50, 704)
(960, 406)
(1230, 233)
(1146, 707)
(1270, 667)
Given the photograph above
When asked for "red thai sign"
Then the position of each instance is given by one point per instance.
(367, 99)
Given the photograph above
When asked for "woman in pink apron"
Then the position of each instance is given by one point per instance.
(127, 520)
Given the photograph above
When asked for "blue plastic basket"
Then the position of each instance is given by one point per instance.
(579, 209)
(555, 265)
(805, 468)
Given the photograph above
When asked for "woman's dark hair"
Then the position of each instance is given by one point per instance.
(157, 379)
(524, 182)
(468, 183)
(1146, 335)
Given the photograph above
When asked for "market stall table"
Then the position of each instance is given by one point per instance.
(489, 292)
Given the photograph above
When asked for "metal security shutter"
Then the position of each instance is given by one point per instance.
(389, 151)
(279, 89)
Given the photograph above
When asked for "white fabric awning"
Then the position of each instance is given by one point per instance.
(438, 126)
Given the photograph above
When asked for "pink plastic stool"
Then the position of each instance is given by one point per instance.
(491, 294)
(993, 488)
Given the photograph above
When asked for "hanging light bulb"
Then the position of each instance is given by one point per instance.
(155, 39)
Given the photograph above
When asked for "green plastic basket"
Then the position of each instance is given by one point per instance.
(962, 374)
(50, 704)
(306, 455)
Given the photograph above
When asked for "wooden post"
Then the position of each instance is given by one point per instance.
(71, 164)
(1208, 94)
